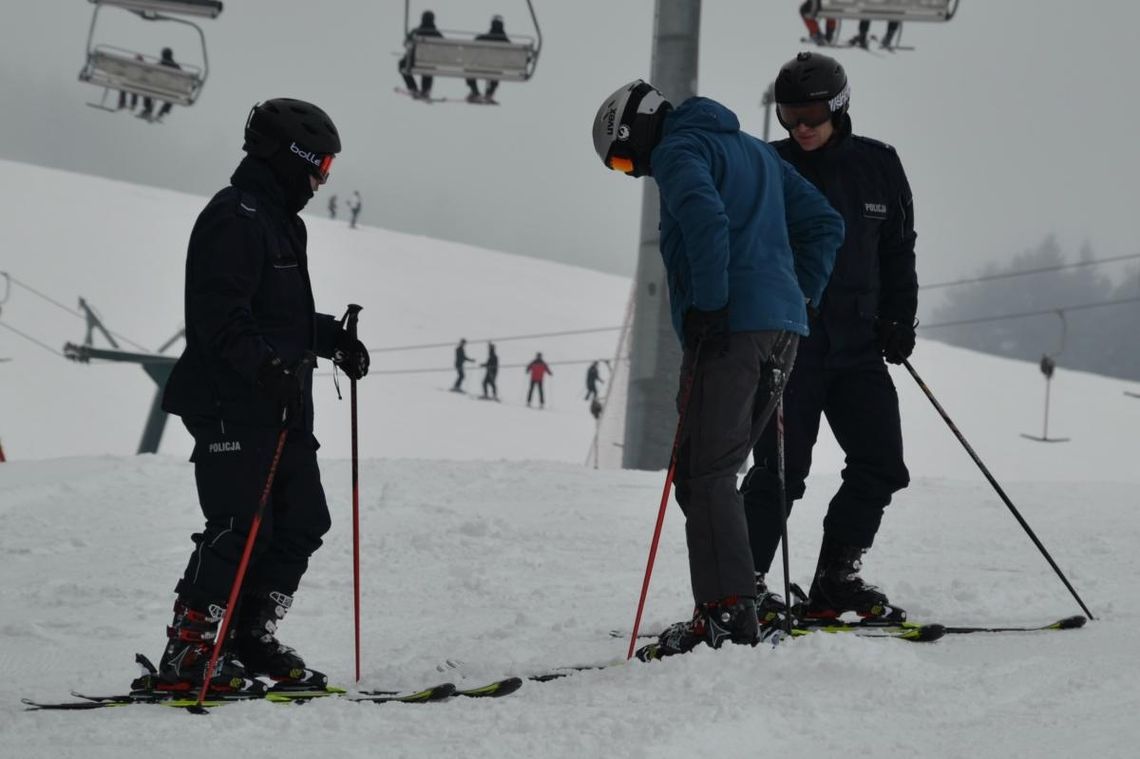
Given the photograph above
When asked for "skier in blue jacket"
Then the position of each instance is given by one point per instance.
(747, 244)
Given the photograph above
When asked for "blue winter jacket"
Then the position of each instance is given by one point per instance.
(739, 226)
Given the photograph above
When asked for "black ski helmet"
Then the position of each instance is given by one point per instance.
(275, 125)
(812, 77)
(628, 126)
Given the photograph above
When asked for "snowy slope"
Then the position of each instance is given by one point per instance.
(123, 248)
(509, 564)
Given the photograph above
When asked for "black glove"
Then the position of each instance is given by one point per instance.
(282, 384)
(709, 329)
(896, 340)
(351, 356)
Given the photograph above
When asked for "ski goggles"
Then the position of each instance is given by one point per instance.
(812, 114)
(322, 168)
(623, 164)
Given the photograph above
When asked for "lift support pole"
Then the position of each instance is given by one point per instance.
(655, 354)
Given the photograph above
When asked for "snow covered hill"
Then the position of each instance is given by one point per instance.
(487, 545)
(123, 248)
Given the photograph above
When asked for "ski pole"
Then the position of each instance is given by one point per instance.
(783, 488)
(350, 319)
(255, 525)
(686, 393)
(1013, 509)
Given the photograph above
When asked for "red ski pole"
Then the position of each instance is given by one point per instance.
(687, 392)
(235, 591)
(350, 319)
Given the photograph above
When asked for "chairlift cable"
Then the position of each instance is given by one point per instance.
(1024, 314)
(423, 346)
(1025, 272)
(31, 339)
(12, 280)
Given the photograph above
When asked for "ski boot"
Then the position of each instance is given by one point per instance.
(255, 643)
(189, 646)
(771, 609)
(838, 589)
(732, 619)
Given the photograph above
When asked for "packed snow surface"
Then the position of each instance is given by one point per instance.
(488, 549)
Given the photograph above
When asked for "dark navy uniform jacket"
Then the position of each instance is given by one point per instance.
(248, 297)
(874, 274)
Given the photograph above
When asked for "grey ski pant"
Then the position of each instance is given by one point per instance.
(735, 389)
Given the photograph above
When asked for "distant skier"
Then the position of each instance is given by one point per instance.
(489, 376)
(496, 34)
(244, 391)
(745, 241)
(148, 103)
(866, 316)
(332, 206)
(592, 380)
(354, 209)
(537, 370)
(461, 360)
(425, 29)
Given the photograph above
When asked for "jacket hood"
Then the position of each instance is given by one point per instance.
(702, 113)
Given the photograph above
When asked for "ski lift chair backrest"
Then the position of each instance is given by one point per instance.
(472, 59)
(207, 8)
(888, 10)
(121, 71)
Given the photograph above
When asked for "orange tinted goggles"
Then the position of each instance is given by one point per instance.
(620, 163)
(324, 167)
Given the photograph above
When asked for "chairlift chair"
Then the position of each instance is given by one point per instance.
(886, 10)
(459, 54)
(115, 68)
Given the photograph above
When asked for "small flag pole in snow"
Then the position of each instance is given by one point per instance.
(1013, 509)
(688, 391)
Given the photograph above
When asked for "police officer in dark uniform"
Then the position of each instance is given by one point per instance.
(866, 315)
(245, 374)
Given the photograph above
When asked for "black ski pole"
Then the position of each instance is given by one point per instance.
(780, 476)
(1001, 493)
(350, 319)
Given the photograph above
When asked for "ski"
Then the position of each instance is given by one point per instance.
(907, 630)
(1068, 623)
(441, 692)
(496, 689)
(911, 631)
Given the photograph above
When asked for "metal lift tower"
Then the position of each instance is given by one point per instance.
(655, 355)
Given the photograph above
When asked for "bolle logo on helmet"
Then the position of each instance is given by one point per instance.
(623, 132)
(840, 100)
(307, 155)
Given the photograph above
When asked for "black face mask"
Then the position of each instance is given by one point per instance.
(293, 176)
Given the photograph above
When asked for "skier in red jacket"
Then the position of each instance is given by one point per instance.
(537, 369)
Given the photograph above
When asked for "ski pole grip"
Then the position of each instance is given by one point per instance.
(350, 318)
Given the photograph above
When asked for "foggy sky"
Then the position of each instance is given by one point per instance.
(1015, 120)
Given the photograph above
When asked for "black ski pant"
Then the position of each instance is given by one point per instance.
(530, 392)
(230, 468)
(733, 394)
(862, 408)
(489, 384)
(591, 392)
(460, 375)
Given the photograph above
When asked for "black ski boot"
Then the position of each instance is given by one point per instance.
(732, 619)
(190, 644)
(770, 607)
(838, 588)
(255, 643)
